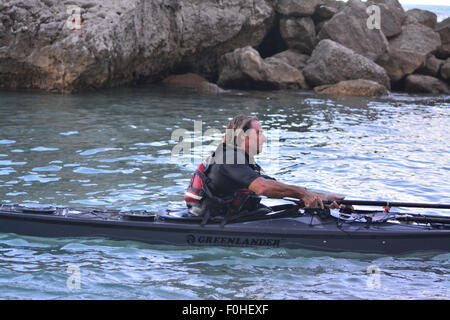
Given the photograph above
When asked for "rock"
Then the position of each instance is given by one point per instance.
(208, 87)
(324, 12)
(245, 69)
(121, 41)
(188, 80)
(443, 28)
(394, 5)
(445, 71)
(291, 57)
(331, 62)
(431, 67)
(283, 75)
(319, 26)
(192, 81)
(424, 17)
(409, 50)
(298, 33)
(221, 32)
(425, 84)
(349, 28)
(359, 87)
(392, 16)
(299, 8)
(327, 9)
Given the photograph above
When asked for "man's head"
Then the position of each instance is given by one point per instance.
(246, 133)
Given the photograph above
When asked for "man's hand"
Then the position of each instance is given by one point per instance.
(312, 199)
(334, 205)
(331, 196)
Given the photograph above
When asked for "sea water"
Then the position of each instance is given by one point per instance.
(113, 149)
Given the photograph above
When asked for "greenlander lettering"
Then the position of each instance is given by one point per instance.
(232, 241)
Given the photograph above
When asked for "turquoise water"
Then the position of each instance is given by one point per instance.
(112, 149)
(34, 268)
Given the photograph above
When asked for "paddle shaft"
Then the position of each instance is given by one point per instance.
(389, 204)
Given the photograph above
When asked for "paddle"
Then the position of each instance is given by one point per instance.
(377, 203)
(389, 204)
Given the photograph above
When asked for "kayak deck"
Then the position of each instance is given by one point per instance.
(295, 230)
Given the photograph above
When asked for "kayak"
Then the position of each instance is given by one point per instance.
(286, 226)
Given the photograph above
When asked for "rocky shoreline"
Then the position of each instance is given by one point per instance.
(330, 46)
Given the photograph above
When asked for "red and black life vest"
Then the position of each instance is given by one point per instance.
(199, 198)
(196, 190)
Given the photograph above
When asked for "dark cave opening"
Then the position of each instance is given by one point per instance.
(272, 43)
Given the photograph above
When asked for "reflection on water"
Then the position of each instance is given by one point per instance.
(113, 149)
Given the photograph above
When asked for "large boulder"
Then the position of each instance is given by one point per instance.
(394, 5)
(331, 62)
(192, 81)
(424, 17)
(431, 67)
(392, 16)
(409, 50)
(360, 87)
(443, 28)
(349, 28)
(292, 57)
(425, 84)
(299, 8)
(50, 45)
(445, 71)
(245, 69)
(298, 33)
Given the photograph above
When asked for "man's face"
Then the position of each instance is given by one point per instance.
(255, 138)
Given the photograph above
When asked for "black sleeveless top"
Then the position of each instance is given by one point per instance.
(232, 170)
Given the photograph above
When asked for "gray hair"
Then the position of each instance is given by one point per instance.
(236, 128)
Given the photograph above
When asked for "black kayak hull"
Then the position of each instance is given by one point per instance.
(290, 232)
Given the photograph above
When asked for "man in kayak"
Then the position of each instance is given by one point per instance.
(230, 181)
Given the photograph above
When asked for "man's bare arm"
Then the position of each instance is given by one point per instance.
(275, 189)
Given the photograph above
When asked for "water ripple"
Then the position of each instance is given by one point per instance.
(393, 148)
